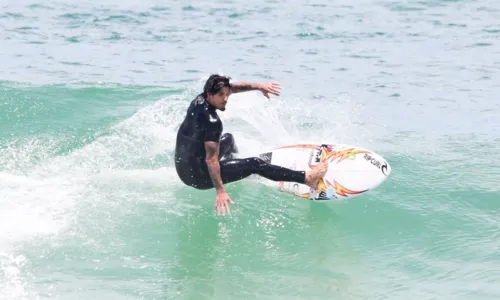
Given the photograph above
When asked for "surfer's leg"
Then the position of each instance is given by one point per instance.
(236, 169)
(227, 147)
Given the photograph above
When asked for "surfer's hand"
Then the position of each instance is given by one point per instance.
(270, 88)
(222, 202)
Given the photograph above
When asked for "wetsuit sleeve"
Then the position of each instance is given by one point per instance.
(212, 128)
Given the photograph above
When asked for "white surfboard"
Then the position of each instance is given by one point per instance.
(352, 171)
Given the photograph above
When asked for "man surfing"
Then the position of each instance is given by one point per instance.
(204, 157)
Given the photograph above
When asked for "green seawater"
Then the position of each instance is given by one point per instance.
(91, 96)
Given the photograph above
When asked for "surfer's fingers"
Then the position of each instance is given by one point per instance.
(226, 205)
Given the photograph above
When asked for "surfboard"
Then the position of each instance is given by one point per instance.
(352, 171)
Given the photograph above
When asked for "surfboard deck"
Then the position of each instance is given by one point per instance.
(352, 171)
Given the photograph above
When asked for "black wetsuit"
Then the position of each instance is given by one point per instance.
(202, 124)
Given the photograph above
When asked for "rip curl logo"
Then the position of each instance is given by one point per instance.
(384, 169)
(376, 163)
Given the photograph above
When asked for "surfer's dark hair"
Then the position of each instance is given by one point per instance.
(215, 83)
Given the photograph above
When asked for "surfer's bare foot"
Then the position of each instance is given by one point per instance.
(314, 175)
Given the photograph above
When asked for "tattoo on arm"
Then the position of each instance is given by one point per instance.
(212, 159)
(239, 87)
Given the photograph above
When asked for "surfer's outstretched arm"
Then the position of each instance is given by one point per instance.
(244, 86)
(265, 88)
(212, 160)
(222, 199)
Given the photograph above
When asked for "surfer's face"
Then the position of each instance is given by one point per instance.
(219, 100)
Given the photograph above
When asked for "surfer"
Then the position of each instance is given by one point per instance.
(205, 158)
